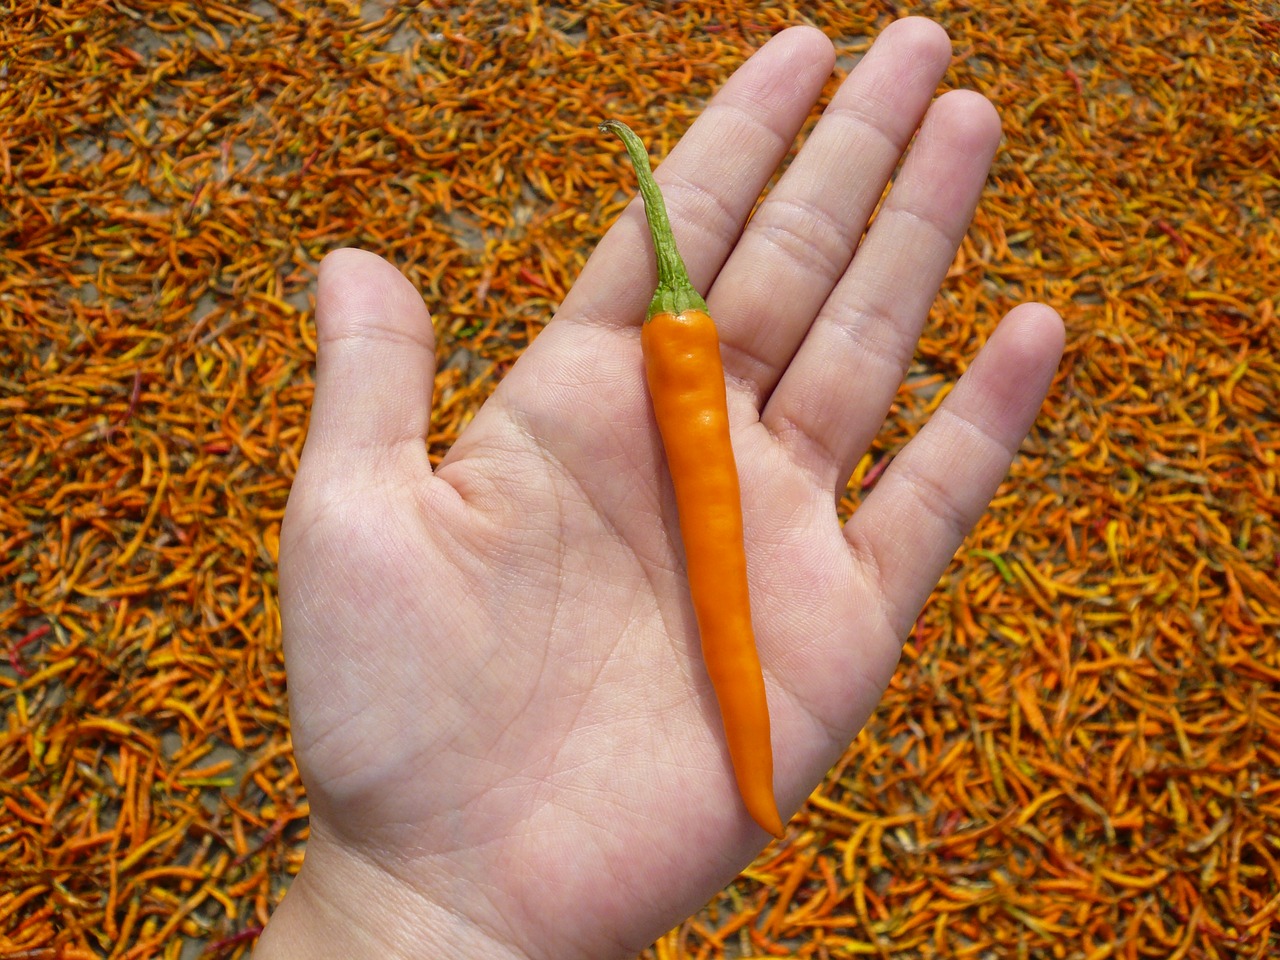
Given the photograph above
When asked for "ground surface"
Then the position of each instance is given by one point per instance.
(1078, 757)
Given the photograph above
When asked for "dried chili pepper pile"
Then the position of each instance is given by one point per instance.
(1079, 755)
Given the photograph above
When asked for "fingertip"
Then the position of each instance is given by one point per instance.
(355, 287)
(926, 28)
(805, 34)
(972, 120)
(927, 38)
(375, 362)
(336, 260)
(1035, 330)
(797, 62)
(1007, 383)
(342, 261)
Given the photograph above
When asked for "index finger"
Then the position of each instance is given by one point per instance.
(711, 180)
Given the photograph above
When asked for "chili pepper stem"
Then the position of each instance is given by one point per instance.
(675, 292)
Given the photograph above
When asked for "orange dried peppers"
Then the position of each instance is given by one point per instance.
(686, 383)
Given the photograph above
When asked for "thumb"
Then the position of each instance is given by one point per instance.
(375, 363)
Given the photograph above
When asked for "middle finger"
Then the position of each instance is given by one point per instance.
(803, 237)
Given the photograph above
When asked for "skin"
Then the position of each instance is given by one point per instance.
(509, 745)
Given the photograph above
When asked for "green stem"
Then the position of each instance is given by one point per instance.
(675, 293)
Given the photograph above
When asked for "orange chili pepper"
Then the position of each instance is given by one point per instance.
(686, 383)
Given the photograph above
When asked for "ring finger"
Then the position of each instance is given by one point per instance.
(834, 395)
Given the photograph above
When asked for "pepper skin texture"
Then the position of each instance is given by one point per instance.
(686, 383)
(685, 375)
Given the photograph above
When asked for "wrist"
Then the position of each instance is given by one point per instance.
(344, 907)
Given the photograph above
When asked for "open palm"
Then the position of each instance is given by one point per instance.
(509, 742)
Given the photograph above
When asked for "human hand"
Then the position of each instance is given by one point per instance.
(509, 743)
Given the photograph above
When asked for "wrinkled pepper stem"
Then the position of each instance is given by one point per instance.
(675, 292)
